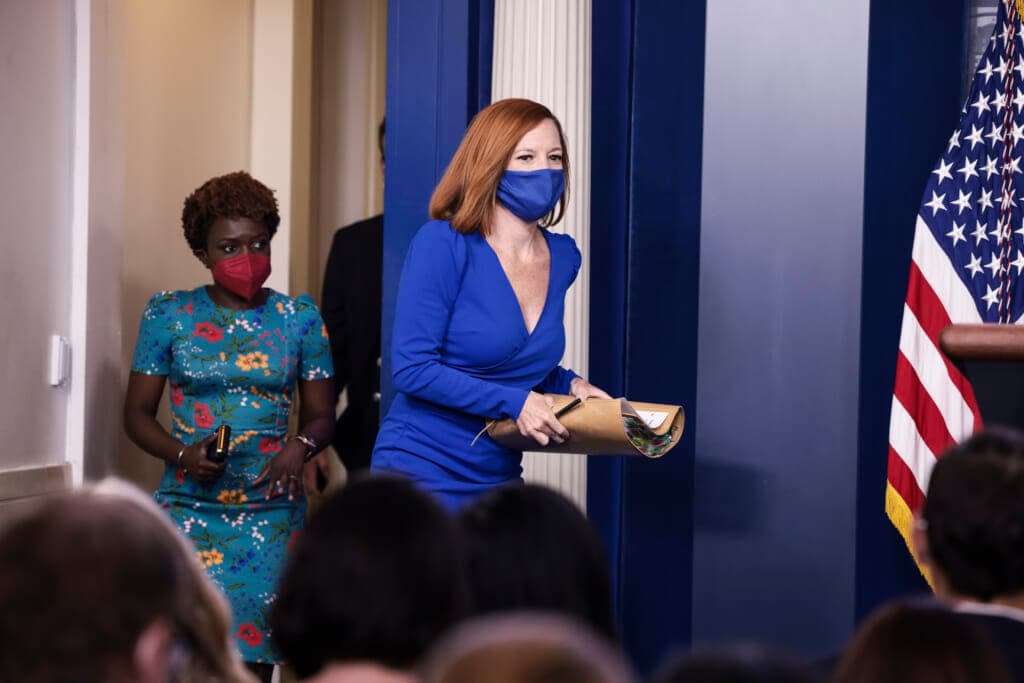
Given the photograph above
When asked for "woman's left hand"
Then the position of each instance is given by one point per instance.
(284, 471)
(582, 389)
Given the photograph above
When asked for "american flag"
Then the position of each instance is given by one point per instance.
(967, 261)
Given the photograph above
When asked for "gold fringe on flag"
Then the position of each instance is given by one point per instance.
(1020, 7)
(903, 519)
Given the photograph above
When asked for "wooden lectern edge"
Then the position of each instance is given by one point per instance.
(989, 341)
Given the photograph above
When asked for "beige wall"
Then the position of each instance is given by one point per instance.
(302, 273)
(349, 102)
(187, 90)
(36, 136)
(168, 95)
(101, 376)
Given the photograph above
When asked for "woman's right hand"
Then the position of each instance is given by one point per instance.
(537, 420)
(197, 465)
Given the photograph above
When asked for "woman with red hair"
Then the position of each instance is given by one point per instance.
(478, 331)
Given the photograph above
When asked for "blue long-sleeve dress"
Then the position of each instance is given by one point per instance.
(461, 355)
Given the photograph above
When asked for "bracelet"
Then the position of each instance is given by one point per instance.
(311, 447)
(180, 453)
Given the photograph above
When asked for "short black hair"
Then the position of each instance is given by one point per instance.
(974, 513)
(376, 576)
(235, 195)
(531, 548)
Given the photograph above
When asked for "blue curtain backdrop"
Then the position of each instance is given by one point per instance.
(916, 56)
(438, 77)
(645, 230)
(713, 532)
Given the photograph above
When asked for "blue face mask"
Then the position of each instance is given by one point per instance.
(530, 195)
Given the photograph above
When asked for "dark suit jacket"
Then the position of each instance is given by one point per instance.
(351, 309)
(1008, 635)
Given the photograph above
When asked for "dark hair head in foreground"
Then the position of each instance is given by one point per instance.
(973, 517)
(530, 548)
(375, 577)
(734, 663)
(917, 642)
(97, 585)
(522, 647)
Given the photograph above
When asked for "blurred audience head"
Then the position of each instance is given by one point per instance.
(734, 663)
(376, 577)
(530, 548)
(522, 647)
(920, 642)
(971, 530)
(97, 585)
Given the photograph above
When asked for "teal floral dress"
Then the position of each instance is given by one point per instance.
(237, 367)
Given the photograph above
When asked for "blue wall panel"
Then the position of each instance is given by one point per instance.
(435, 85)
(645, 227)
(913, 105)
(661, 341)
(726, 226)
(612, 38)
(779, 323)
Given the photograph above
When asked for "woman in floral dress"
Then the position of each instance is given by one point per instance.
(234, 352)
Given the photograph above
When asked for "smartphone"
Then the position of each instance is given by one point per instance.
(218, 450)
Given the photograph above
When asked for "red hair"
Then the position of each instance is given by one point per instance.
(467, 193)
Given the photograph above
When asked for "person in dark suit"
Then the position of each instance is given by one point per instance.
(351, 311)
(970, 536)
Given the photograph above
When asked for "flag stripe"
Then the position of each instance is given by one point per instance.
(938, 271)
(907, 443)
(931, 426)
(932, 318)
(931, 313)
(930, 365)
(902, 480)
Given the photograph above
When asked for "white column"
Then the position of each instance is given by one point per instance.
(74, 442)
(542, 52)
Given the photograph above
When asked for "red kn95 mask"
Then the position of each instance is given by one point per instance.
(243, 274)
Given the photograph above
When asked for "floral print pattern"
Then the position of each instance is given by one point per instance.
(239, 368)
(249, 634)
(644, 439)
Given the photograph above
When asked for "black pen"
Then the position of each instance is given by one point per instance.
(568, 406)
